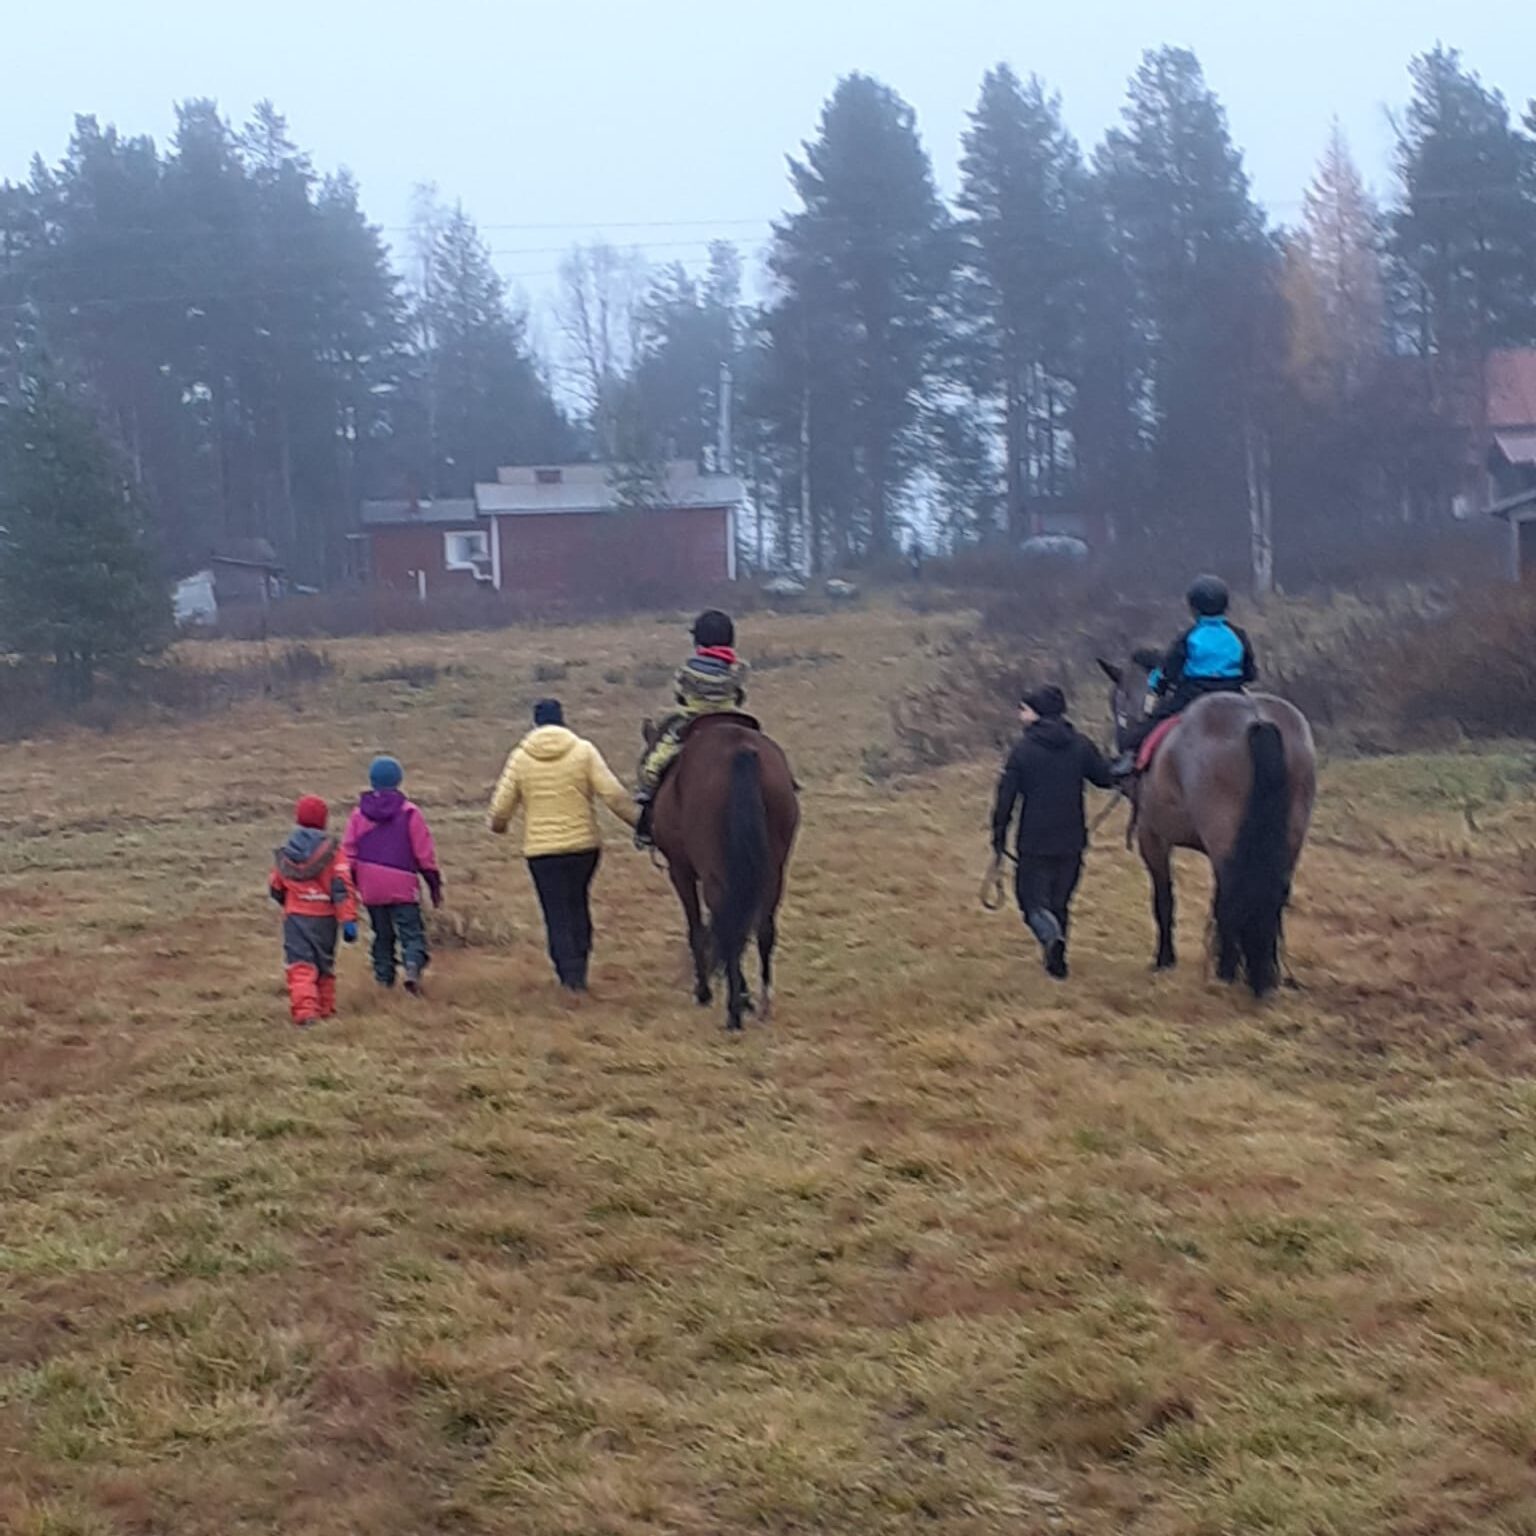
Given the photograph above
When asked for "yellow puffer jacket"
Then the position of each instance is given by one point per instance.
(554, 777)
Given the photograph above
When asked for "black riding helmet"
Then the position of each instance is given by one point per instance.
(714, 628)
(1208, 596)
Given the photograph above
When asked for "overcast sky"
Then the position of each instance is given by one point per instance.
(661, 123)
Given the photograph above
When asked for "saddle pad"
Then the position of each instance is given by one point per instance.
(1160, 733)
(728, 716)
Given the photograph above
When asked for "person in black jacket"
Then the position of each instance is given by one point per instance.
(1047, 770)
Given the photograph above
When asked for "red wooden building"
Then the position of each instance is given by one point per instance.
(558, 531)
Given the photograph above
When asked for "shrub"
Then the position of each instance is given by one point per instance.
(415, 674)
(652, 674)
(1406, 674)
(29, 705)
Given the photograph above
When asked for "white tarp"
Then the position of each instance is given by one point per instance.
(193, 602)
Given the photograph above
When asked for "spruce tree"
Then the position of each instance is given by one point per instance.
(78, 587)
(490, 406)
(1464, 229)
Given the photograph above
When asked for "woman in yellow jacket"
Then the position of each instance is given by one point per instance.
(555, 777)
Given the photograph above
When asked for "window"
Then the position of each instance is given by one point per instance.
(468, 552)
(548, 476)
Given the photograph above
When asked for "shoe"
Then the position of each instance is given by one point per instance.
(413, 980)
(306, 1023)
(1056, 959)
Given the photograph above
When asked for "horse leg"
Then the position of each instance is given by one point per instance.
(1159, 861)
(1229, 953)
(767, 936)
(686, 884)
(737, 1002)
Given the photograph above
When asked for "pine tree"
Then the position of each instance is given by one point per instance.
(1198, 266)
(1333, 283)
(77, 584)
(864, 269)
(1024, 190)
(1464, 229)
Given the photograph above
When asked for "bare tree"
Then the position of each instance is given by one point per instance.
(600, 315)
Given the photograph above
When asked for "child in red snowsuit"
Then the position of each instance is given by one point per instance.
(313, 885)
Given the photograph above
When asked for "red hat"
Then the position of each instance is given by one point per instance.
(312, 811)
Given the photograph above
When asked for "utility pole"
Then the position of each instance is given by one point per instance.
(812, 554)
(723, 445)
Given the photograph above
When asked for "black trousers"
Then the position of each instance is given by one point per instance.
(398, 930)
(564, 884)
(1046, 885)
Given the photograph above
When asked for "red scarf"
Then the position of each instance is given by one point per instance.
(718, 653)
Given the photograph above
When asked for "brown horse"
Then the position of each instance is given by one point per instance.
(725, 820)
(1235, 780)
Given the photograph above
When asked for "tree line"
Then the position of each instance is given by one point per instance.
(1121, 334)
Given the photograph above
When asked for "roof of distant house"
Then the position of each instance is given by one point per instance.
(1518, 447)
(525, 490)
(257, 553)
(410, 510)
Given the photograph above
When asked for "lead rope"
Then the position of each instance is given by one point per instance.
(1104, 815)
(994, 890)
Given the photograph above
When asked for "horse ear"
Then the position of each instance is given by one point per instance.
(1115, 674)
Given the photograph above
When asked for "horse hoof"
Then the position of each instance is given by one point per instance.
(703, 997)
(1164, 963)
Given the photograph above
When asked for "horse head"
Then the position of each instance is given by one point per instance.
(1128, 688)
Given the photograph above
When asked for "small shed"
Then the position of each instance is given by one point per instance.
(1519, 511)
(246, 571)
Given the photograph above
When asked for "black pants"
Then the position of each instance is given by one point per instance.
(399, 937)
(1045, 885)
(1175, 703)
(564, 884)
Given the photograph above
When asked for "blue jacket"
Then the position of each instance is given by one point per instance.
(1212, 650)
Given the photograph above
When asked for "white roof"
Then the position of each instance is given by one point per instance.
(529, 490)
(384, 513)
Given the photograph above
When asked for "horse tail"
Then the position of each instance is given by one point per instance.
(746, 859)
(1255, 882)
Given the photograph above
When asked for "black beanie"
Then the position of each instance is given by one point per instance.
(1049, 702)
(548, 712)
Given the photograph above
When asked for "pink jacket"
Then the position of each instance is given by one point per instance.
(389, 847)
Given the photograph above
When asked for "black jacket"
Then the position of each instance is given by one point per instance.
(1046, 770)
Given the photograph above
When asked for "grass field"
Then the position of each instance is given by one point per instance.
(948, 1248)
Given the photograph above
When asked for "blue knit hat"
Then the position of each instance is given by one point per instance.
(548, 712)
(385, 773)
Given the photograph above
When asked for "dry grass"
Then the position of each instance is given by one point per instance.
(947, 1248)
